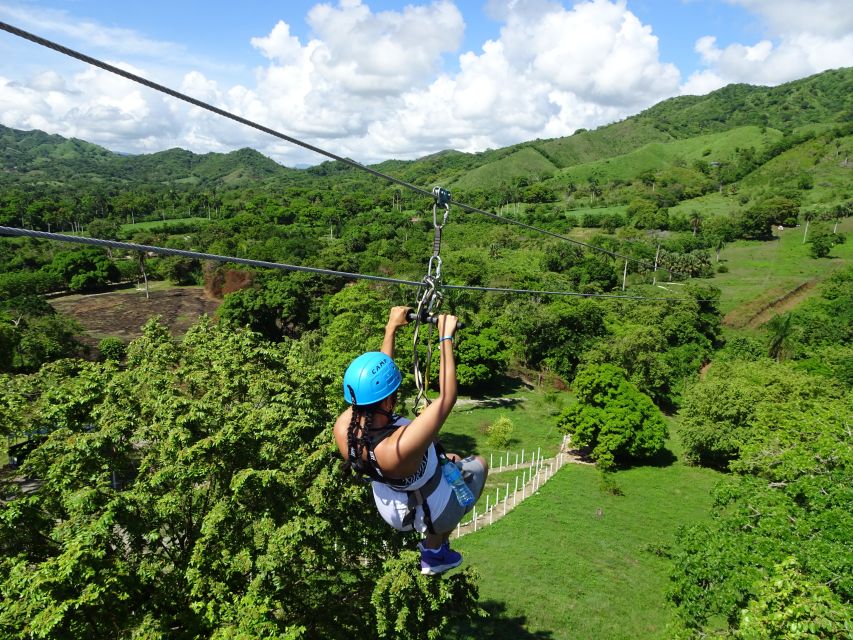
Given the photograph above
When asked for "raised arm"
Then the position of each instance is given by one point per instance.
(396, 319)
(405, 448)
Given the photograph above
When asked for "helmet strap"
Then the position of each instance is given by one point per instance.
(352, 394)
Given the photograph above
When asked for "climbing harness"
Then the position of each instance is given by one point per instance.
(369, 469)
(429, 300)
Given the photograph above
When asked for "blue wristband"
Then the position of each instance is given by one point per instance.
(446, 338)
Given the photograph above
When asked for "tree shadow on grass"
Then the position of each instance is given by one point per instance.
(496, 625)
(502, 386)
(495, 403)
(663, 458)
(459, 443)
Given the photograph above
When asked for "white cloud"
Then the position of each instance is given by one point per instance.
(831, 18)
(370, 84)
(373, 84)
(92, 105)
(549, 73)
(385, 52)
(802, 39)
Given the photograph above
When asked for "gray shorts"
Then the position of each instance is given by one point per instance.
(474, 475)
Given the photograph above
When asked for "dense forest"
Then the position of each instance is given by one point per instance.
(187, 486)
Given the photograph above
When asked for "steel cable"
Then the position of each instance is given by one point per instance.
(166, 251)
(305, 145)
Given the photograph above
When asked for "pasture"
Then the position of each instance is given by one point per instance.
(760, 273)
(576, 562)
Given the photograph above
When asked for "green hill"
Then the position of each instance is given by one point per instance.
(36, 157)
(761, 113)
(718, 147)
(819, 168)
(526, 162)
(796, 129)
(20, 148)
(605, 142)
(243, 165)
(825, 97)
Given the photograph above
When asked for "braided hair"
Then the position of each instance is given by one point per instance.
(357, 444)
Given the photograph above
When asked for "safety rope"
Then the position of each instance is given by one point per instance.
(26, 35)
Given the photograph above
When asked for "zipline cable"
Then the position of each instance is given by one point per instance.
(199, 103)
(305, 145)
(167, 251)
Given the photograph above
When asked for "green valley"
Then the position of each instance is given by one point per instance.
(679, 315)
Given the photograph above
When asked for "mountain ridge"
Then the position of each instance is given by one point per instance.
(821, 99)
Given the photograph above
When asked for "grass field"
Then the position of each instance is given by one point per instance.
(761, 272)
(577, 214)
(154, 225)
(709, 205)
(532, 413)
(575, 562)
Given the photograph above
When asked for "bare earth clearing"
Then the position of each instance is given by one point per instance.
(121, 314)
(754, 318)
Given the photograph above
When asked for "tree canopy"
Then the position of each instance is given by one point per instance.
(197, 493)
(618, 423)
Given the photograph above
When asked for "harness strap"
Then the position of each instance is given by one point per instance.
(419, 498)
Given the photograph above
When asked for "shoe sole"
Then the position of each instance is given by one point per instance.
(432, 571)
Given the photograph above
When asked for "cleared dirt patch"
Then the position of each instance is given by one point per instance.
(121, 314)
(786, 302)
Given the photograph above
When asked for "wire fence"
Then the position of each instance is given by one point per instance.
(531, 473)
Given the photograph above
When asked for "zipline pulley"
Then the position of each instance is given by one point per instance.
(442, 199)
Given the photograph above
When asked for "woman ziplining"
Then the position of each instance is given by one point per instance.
(410, 472)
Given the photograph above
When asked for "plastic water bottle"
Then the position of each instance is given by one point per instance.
(454, 478)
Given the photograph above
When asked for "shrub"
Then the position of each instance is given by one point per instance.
(613, 418)
(18, 283)
(112, 349)
(84, 270)
(822, 242)
(500, 432)
(482, 358)
(719, 412)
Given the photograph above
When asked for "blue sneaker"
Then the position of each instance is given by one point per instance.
(435, 561)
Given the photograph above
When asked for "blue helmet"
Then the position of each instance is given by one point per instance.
(371, 377)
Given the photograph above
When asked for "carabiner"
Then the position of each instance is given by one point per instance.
(434, 260)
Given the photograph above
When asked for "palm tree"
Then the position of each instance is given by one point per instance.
(695, 220)
(781, 330)
(719, 243)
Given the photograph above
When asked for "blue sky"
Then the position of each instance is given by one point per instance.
(376, 79)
